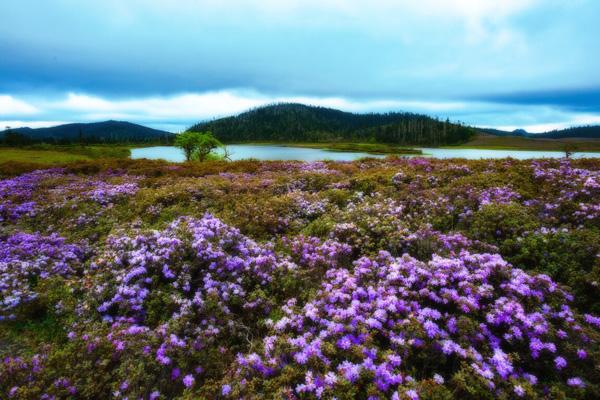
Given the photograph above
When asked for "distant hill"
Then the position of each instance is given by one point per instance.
(292, 122)
(583, 132)
(95, 132)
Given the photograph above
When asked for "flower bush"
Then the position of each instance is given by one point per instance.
(375, 279)
(377, 328)
(25, 259)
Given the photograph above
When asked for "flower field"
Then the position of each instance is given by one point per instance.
(375, 279)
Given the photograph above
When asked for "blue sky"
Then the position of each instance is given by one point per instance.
(170, 63)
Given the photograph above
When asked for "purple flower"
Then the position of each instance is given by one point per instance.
(188, 381)
(154, 395)
(576, 382)
(502, 364)
(532, 379)
(350, 371)
(330, 378)
(301, 357)
(593, 320)
(344, 343)
(225, 390)
(519, 391)
(431, 328)
(560, 362)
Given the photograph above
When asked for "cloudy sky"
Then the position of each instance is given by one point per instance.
(170, 63)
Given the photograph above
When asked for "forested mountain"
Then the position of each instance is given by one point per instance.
(96, 132)
(302, 123)
(587, 132)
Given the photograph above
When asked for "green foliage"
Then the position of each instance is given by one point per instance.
(14, 138)
(495, 223)
(300, 123)
(567, 256)
(197, 145)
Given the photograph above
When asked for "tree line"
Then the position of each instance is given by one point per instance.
(301, 123)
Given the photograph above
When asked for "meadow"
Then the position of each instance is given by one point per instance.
(60, 154)
(389, 278)
(483, 141)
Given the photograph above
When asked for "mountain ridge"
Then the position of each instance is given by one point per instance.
(295, 122)
(109, 131)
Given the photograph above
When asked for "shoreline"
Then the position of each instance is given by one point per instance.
(371, 148)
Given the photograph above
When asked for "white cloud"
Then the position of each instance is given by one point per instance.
(183, 106)
(30, 124)
(11, 106)
(192, 106)
(180, 111)
(587, 119)
(82, 102)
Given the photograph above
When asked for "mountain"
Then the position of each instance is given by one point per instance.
(95, 132)
(580, 132)
(291, 122)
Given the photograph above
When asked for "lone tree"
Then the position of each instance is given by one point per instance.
(197, 145)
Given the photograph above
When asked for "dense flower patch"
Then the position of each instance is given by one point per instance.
(376, 279)
(16, 193)
(27, 258)
(379, 326)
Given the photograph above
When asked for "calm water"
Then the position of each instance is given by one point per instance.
(259, 152)
(269, 152)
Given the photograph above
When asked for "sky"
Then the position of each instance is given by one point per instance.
(532, 64)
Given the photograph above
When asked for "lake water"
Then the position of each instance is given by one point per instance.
(271, 152)
(259, 152)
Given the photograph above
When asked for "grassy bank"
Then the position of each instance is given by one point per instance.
(481, 141)
(59, 154)
(519, 143)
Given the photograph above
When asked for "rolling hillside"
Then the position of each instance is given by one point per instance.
(583, 132)
(302, 123)
(96, 132)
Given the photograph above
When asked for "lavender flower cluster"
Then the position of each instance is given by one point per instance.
(16, 193)
(373, 326)
(25, 259)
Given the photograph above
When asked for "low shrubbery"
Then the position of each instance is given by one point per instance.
(395, 278)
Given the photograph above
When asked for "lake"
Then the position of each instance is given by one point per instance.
(273, 152)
